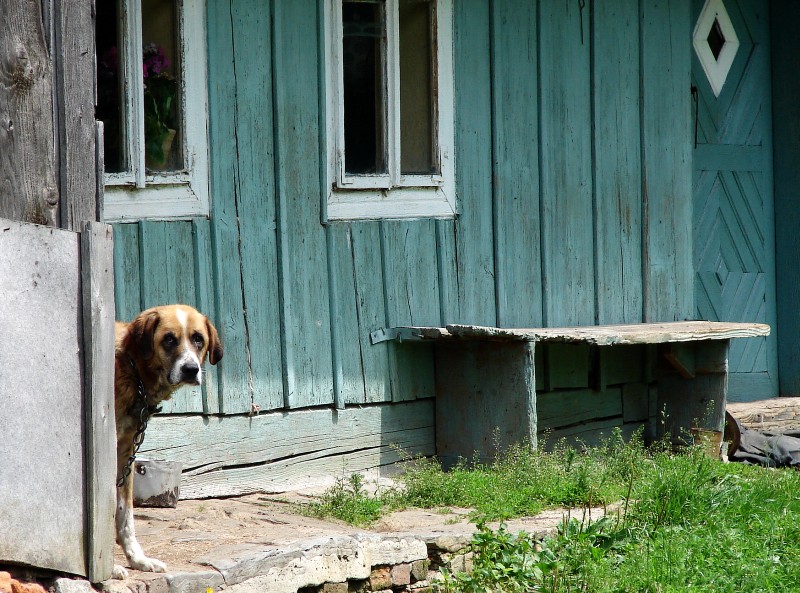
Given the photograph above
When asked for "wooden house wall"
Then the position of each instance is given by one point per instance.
(573, 179)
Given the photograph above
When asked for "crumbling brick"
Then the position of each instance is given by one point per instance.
(401, 574)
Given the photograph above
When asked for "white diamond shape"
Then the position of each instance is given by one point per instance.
(716, 69)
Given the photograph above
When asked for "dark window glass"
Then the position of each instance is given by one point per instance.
(161, 69)
(417, 88)
(109, 96)
(363, 51)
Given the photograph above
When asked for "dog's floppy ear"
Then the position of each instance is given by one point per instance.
(140, 333)
(214, 345)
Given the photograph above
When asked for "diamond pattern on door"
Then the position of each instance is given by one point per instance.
(733, 213)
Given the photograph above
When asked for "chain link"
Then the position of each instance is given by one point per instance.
(145, 412)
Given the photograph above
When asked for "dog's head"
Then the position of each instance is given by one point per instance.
(172, 342)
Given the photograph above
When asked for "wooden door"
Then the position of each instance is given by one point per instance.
(733, 192)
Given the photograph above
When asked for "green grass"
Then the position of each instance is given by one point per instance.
(684, 522)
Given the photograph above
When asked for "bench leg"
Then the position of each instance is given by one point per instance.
(693, 398)
(485, 399)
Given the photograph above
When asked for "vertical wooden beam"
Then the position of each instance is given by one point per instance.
(74, 59)
(97, 290)
(515, 128)
(668, 273)
(28, 188)
(473, 235)
(567, 216)
(617, 161)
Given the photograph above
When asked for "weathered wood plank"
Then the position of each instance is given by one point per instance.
(617, 161)
(233, 372)
(473, 237)
(411, 288)
(127, 282)
(75, 95)
(308, 372)
(566, 164)
(518, 265)
(605, 335)
(589, 434)
(28, 170)
(775, 415)
(97, 291)
(567, 366)
(371, 308)
(42, 491)
(620, 364)
(345, 330)
(255, 199)
(204, 297)
(277, 451)
(667, 161)
(446, 246)
(559, 409)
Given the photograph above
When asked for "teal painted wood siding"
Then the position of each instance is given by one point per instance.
(573, 176)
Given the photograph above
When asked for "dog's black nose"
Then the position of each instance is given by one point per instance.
(189, 371)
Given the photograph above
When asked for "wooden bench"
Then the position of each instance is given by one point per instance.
(497, 386)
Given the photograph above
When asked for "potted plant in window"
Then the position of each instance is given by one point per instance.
(160, 90)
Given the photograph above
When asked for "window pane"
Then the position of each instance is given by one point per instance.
(417, 88)
(161, 71)
(363, 51)
(109, 96)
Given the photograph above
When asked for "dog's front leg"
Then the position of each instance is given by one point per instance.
(126, 534)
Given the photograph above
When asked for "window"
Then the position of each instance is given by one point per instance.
(152, 100)
(390, 109)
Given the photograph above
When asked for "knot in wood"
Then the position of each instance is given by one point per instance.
(22, 73)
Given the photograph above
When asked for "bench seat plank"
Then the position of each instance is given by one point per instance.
(600, 335)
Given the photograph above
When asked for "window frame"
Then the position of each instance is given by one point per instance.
(391, 195)
(138, 194)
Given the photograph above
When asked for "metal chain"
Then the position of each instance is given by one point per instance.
(145, 412)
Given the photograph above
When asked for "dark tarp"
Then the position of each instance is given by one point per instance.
(765, 448)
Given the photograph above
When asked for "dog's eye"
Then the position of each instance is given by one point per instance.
(198, 341)
(170, 341)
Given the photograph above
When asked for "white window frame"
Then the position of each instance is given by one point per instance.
(390, 195)
(138, 194)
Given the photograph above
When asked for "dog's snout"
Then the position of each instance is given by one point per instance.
(189, 370)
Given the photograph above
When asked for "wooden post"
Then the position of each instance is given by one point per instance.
(97, 288)
(28, 189)
(697, 402)
(485, 398)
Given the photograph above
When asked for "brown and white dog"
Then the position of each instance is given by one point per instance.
(155, 354)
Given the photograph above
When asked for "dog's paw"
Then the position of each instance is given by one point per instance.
(119, 573)
(146, 564)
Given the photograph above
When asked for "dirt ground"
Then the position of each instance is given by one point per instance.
(188, 537)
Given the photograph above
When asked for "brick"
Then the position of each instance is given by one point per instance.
(401, 574)
(5, 582)
(17, 587)
(380, 578)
